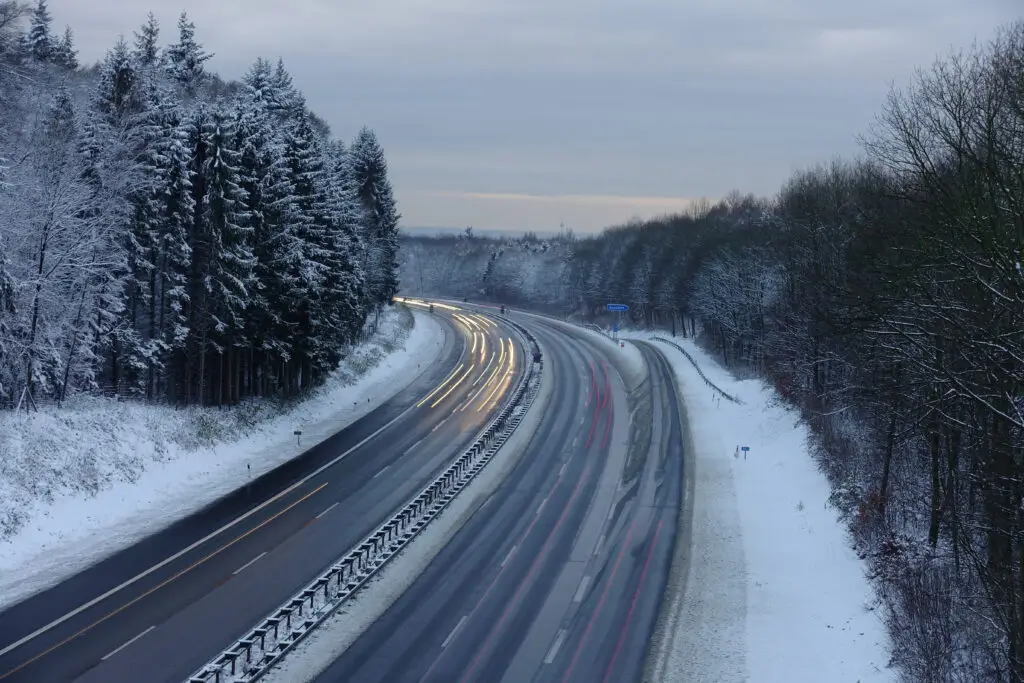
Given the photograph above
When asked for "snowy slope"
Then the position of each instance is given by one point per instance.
(774, 590)
(80, 483)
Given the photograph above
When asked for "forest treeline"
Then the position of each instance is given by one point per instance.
(884, 298)
(169, 235)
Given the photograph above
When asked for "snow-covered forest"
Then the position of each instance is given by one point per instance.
(885, 298)
(168, 235)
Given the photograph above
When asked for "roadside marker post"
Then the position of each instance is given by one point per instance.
(620, 309)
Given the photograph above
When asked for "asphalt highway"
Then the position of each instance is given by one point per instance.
(160, 609)
(559, 576)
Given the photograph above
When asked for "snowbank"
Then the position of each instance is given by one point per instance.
(80, 483)
(774, 591)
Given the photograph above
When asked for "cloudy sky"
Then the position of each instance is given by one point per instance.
(523, 114)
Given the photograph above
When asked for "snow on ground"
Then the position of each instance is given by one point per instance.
(340, 630)
(80, 483)
(774, 591)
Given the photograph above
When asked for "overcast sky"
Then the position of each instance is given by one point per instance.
(522, 114)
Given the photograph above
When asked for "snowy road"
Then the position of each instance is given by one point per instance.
(160, 609)
(559, 576)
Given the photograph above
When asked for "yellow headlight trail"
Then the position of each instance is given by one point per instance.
(469, 321)
(452, 387)
(486, 321)
(441, 385)
(501, 361)
(504, 385)
(446, 307)
(508, 377)
(427, 304)
(486, 368)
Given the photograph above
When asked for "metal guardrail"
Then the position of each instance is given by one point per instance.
(251, 656)
(700, 372)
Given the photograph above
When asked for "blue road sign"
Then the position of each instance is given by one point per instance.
(618, 307)
(615, 327)
(745, 448)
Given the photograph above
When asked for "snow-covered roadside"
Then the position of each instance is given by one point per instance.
(79, 483)
(340, 630)
(774, 591)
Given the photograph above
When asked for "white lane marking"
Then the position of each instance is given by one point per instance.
(249, 563)
(509, 556)
(111, 654)
(583, 419)
(564, 466)
(555, 646)
(201, 541)
(584, 584)
(611, 513)
(575, 441)
(414, 445)
(542, 504)
(382, 471)
(439, 425)
(333, 505)
(454, 631)
(600, 542)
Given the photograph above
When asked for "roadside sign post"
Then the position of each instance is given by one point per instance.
(745, 449)
(619, 309)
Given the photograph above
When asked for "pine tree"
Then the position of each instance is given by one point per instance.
(172, 187)
(221, 258)
(272, 216)
(370, 172)
(64, 53)
(305, 171)
(351, 220)
(117, 94)
(39, 42)
(259, 83)
(147, 48)
(287, 102)
(185, 58)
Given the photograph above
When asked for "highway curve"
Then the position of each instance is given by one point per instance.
(559, 576)
(159, 610)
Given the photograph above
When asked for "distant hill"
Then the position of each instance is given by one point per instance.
(479, 232)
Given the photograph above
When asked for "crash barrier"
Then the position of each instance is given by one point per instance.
(251, 656)
(700, 372)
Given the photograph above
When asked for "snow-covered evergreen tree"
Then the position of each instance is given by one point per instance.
(64, 52)
(278, 250)
(147, 47)
(39, 41)
(185, 59)
(285, 101)
(117, 95)
(370, 173)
